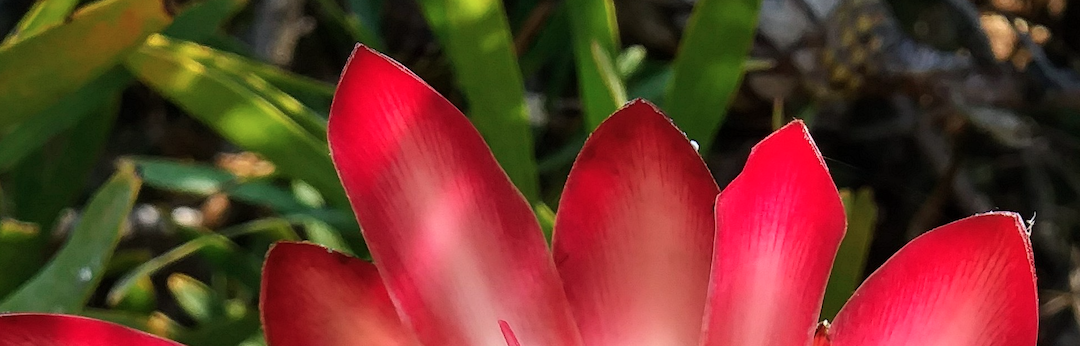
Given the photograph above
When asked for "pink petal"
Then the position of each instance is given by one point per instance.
(508, 334)
(779, 224)
(968, 283)
(634, 232)
(314, 296)
(66, 330)
(458, 246)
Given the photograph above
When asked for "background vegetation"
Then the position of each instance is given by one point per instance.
(152, 150)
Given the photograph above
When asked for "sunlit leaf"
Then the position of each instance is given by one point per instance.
(205, 180)
(596, 40)
(709, 65)
(105, 31)
(67, 281)
(477, 39)
(313, 93)
(239, 114)
(43, 14)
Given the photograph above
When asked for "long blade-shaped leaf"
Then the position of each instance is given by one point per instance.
(18, 255)
(50, 178)
(250, 73)
(847, 271)
(595, 37)
(709, 66)
(27, 137)
(43, 14)
(477, 39)
(37, 72)
(66, 282)
(239, 114)
(203, 19)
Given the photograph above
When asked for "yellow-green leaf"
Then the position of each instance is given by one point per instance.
(38, 71)
(239, 114)
(67, 281)
(43, 14)
(596, 40)
(477, 38)
(709, 66)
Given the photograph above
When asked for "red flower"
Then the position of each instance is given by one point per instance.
(646, 250)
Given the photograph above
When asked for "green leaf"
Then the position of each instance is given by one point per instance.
(239, 114)
(29, 136)
(223, 332)
(155, 323)
(847, 271)
(247, 71)
(709, 65)
(38, 71)
(18, 242)
(141, 297)
(609, 77)
(592, 22)
(221, 252)
(205, 180)
(203, 19)
(66, 283)
(322, 233)
(358, 29)
(478, 41)
(44, 14)
(629, 61)
(315, 93)
(52, 177)
(197, 299)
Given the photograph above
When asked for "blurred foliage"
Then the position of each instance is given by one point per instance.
(217, 109)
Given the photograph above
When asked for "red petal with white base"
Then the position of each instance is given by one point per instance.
(968, 283)
(67, 330)
(313, 296)
(779, 224)
(634, 232)
(456, 243)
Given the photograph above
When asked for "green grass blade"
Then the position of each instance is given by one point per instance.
(205, 180)
(43, 14)
(249, 71)
(477, 39)
(67, 281)
(51, 178)
(709, 65)
(37, 72)
(609, 77)
(592, 22)
(203, 19)
(29, 136)
(314, 93)
(354, 25)
(216, 248)
(847, 271)
(239, 114)
(18, 242)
